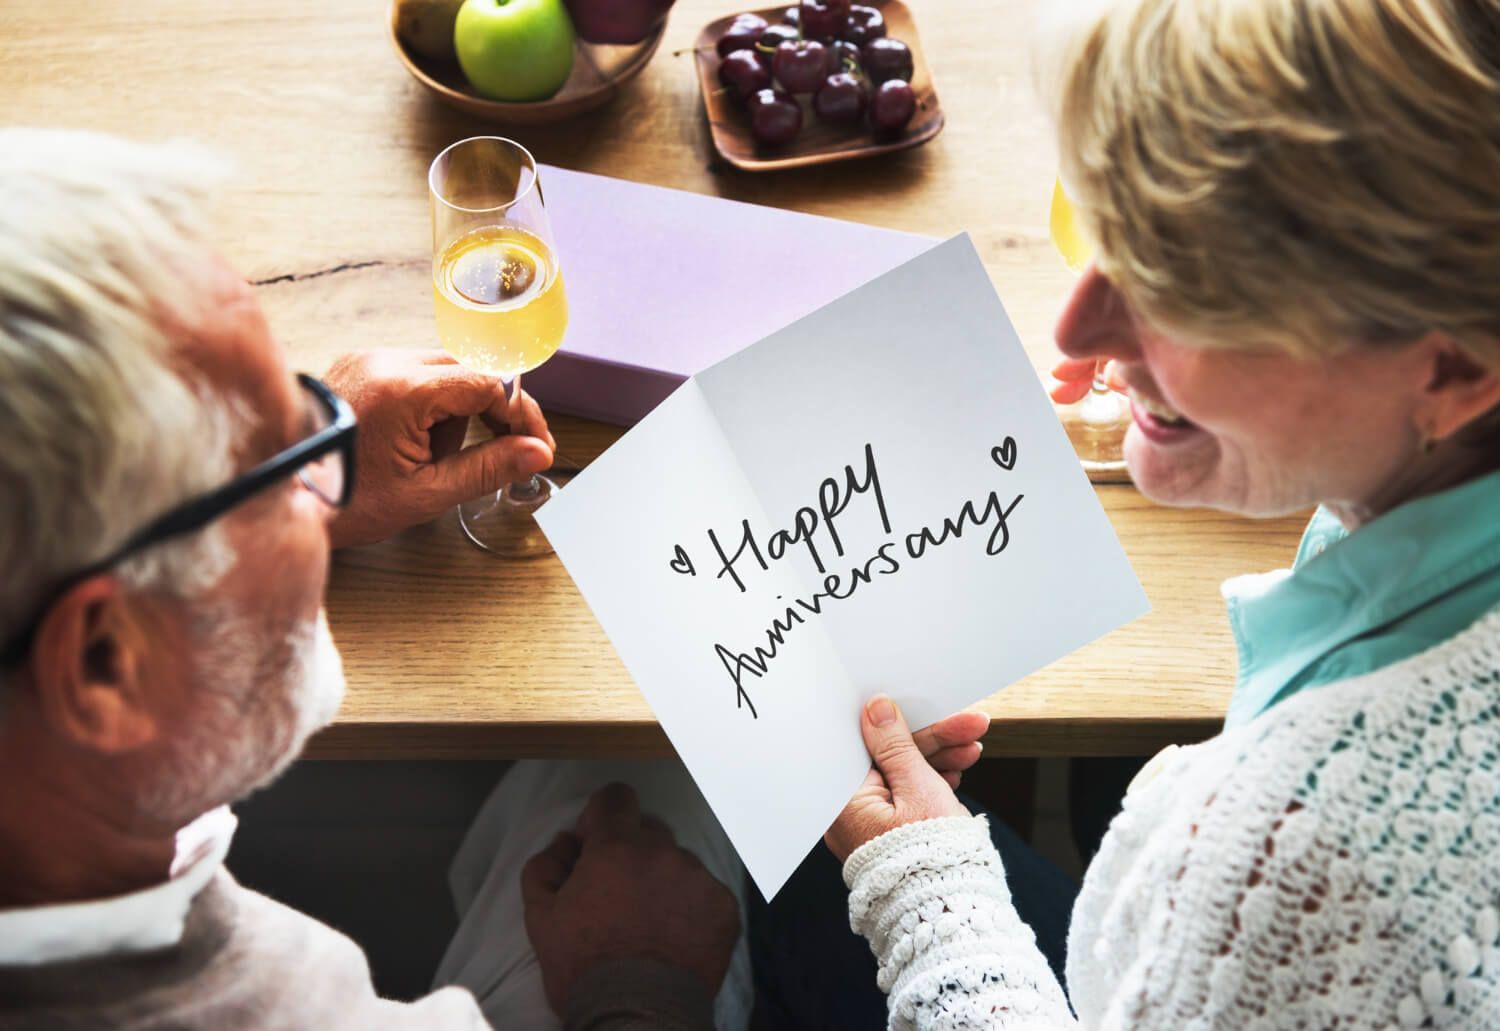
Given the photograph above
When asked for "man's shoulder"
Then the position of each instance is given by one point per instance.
(244, 960)
(298, 971)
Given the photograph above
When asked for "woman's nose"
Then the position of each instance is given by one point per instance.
(1096, 323)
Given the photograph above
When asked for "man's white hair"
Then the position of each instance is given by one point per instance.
(102, 428)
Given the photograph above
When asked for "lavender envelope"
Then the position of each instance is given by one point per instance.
(663, 283)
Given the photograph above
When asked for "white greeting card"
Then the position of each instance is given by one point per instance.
(877, 497)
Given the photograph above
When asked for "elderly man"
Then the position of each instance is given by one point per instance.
(169, 493)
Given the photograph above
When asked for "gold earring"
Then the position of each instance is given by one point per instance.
(1429, 442)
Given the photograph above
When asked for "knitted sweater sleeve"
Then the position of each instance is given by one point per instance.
(931, 899)
(1335, 863)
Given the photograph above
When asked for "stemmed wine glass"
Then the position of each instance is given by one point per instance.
(1102, 416)
(497, 289)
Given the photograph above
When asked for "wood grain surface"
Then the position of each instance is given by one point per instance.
(449, 651)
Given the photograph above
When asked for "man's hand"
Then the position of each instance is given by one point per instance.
(413, 409)
(620, 887)
(904, 786)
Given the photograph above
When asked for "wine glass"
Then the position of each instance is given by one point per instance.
(497, 289)
(1099, 421)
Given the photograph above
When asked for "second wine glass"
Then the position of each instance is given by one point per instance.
(501, 307)
(1098, 423)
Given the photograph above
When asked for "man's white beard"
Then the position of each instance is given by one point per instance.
(315, 678)
(253, 721)
(320, 669)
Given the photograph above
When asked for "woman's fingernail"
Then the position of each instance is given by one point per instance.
(881, 711)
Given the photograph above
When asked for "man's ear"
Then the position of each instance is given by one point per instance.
(1460, 387)
(87, 669)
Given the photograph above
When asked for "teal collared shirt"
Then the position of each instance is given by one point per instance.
(1354, 602)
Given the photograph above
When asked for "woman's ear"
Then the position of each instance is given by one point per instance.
(86, 668)
(1459, 388)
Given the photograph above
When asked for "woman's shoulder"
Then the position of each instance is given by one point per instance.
(1419, 736)
(1341, 849)
(1440, 707)
(1417, 726)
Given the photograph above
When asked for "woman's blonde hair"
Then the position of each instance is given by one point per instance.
(1291, 173)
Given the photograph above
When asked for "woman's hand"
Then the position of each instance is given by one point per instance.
(1076, 375)
(913, 778)
(952, 745)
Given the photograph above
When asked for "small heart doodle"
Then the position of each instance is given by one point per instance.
(681, 563)
(1005, 454)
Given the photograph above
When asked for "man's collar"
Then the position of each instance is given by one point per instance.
(142, 921)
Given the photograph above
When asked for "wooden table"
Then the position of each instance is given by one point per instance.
(449, 652)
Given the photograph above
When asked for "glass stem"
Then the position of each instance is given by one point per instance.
(1099, 383)
(1102, 406)
(515, 417)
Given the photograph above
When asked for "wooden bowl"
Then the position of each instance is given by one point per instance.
(817, 143)
(599, 71)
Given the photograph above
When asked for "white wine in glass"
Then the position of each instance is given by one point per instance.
(500, 303)
(501, 307)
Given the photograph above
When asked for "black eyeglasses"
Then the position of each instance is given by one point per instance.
(322, 461)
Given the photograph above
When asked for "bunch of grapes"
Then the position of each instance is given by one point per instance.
(833, 51)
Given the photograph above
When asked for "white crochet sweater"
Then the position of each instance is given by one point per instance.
(1335, 863)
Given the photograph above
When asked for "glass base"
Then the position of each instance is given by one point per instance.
(505, 524)
(1096, 427)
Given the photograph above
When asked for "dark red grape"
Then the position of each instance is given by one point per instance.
(865, 24)
(840, 100)
(823, 21)
(775, 117)
(792, 15)
(743, 33)
(885, 59)
(776, 35)
(744, 74)
(801, 67)
(892, 106)
(845, 57)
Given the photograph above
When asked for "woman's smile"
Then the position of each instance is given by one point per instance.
(1160, 422)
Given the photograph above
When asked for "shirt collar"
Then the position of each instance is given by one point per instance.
(1344, 585)
(141, 921)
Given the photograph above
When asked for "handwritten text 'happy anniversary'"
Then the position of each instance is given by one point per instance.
(815, 529)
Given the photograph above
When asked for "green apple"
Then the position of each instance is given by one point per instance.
(514, 50)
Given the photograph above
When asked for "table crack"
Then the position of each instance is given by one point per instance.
(298, 277)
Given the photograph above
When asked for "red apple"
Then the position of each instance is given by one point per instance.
(617, 21)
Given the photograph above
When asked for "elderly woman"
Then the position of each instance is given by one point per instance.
(1296, 205)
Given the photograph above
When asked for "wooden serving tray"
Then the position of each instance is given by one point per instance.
(817, 143)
